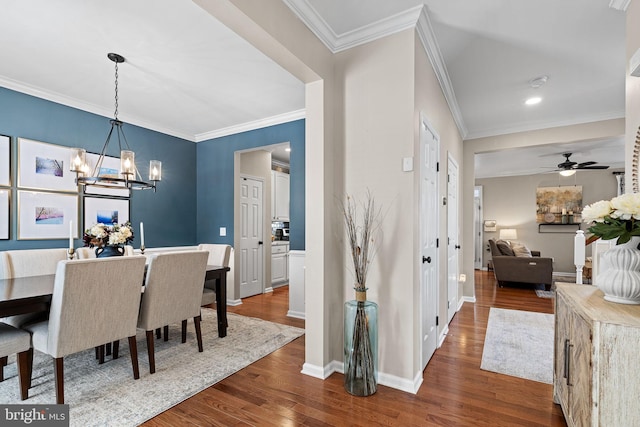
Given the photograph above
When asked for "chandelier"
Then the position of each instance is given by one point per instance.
(99, 176)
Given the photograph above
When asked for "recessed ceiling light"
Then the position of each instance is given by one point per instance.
(287, 149)
(533, 100)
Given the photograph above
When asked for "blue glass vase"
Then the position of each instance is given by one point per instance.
(360, 347)
(107, 251)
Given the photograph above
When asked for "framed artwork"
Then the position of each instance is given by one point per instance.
(44, 166)
(552, 203)
(5, 213)
(105, 210)
(47, 215)
(5, 161)
(110, 167)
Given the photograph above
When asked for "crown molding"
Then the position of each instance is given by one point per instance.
(339, 42)
(88, 107)
(546, 125)
(619, 4)
(430, 45)
(256, 124)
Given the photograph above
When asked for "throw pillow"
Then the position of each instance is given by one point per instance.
(521, 250)
(504, 248)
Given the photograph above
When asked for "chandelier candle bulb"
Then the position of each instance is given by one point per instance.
(70, 234)
(127, 163)
(141, 234)
(78, 163)
(155, 170)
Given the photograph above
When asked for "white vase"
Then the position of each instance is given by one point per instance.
(619, 276)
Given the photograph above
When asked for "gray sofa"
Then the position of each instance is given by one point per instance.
(520, 269)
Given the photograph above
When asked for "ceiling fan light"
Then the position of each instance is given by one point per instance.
(567, 172)
(533, 100)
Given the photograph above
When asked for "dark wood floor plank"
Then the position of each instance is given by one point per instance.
(455, 391)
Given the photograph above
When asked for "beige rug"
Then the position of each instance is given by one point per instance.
(107, 395)
(520, 344)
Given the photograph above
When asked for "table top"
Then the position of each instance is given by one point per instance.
(41, 286)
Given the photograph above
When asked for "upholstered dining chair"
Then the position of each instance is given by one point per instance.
(218, 255)
(173, 291)
(16, 341)
(94, 301)
(29, 262)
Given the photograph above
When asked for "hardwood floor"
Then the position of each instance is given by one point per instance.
(455, 391)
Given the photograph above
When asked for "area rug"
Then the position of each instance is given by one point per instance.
(107, 395)
(520, 344)
(545, 294)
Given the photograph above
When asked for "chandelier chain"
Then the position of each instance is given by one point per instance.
(115, 114)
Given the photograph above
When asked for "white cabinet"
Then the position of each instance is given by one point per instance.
(596, 354)
(279, 264)
(279, 196)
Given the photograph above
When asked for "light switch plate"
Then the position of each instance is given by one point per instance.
(223, 231)
(407, 164)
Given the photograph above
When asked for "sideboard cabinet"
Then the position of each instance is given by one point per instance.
(596, 375)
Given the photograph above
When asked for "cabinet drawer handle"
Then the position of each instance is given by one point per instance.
(567, 361)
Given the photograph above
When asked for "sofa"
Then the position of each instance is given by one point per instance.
(517, 264)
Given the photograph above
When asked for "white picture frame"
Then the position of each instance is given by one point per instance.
(5, 161)
(43, 216)
(5, 212)
(110, 165)
(44, 166)
(104, 210)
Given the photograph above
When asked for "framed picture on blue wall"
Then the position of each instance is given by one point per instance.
(44, 215)
(5, 161)
(110, 167)
(105, 210)
(43, 166)
(5, 212)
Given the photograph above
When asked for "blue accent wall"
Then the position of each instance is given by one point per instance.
(215, 180)
(168, 215)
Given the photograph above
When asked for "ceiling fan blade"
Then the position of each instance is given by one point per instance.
(594, 167)
(581, 165)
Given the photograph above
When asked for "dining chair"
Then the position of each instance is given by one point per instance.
(173, 291)
(94, 301)
(16, 341)
(29, 262)
(218, 255)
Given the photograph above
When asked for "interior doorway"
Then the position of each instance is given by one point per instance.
(251, 237)
(453, 238)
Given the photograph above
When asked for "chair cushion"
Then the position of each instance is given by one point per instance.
(521, 250)
(13, 340)
(504, 248)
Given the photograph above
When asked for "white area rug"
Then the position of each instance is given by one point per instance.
(545, 294)
(520, 344)
(107, 395)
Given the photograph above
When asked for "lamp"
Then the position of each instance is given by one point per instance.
(567, 172)
(131, 178)
(508, 234)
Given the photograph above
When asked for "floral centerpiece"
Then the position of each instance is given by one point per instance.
(616, 218)
(108, 239)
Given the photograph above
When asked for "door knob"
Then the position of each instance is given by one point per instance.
(426, 259)
(260, 242)
(457, 246)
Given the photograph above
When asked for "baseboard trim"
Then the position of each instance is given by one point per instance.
(319, 371)
(296, 314)
(443, 335)
(460, 304)
(268, 290)
(469, 299)
(234, 302)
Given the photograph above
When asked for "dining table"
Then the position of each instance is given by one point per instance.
(32, 294)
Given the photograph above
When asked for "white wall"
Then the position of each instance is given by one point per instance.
(511, 201)
(632, 97)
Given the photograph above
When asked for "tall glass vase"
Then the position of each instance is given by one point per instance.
(361, 347)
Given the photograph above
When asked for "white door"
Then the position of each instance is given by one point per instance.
(477, 227)
(429, 154)
(453, 236)
(251, 243)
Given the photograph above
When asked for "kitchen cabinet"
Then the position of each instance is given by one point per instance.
(279, 196)
(596, 353)
(279, 263)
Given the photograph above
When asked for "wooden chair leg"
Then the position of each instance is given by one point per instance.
(133, 349)
(101, 354)
(59, 374)
(116, 348)
(158, 333)
(196, 321)
(24, 373)
(29, 366)
(150, 352)
(3, 363)
(184, 331)
(107, 349)
(97, 355)
(166, 332)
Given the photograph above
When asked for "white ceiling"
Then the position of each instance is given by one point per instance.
(189, 76)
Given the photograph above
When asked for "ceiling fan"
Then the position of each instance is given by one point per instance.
(568, 168)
